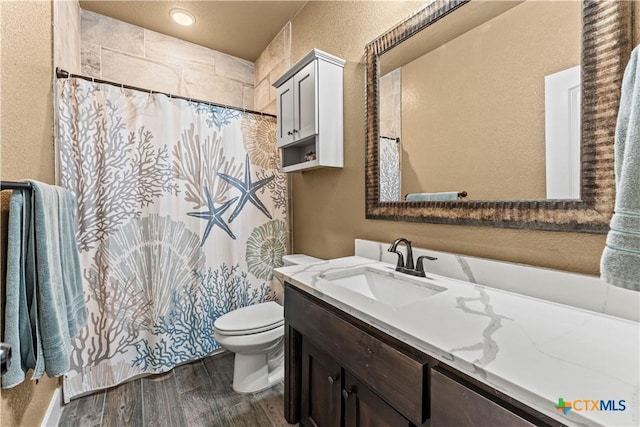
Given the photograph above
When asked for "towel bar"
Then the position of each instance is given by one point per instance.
(14, 185)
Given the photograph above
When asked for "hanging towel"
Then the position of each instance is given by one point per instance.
(426, 197)
(61, 308)
(620, 263)
(20, 302)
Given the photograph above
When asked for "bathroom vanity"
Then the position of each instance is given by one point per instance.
(455, 354)
(341, 371)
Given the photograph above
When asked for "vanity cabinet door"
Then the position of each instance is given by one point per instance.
(321, 388)
(363, 408)
(453, 404)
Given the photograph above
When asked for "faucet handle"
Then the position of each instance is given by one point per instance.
(420, 264)
(400, 263)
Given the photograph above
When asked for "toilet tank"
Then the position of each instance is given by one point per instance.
(295, 259)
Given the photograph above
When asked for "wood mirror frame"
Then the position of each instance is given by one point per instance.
(606, 46)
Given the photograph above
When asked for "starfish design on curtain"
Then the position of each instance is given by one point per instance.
(214, 216)
(248, 190)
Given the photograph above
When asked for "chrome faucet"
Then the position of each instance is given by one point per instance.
(409, 268)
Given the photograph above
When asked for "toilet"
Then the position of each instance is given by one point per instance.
(256, 335)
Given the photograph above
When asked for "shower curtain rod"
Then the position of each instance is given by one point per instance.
(63, 74)
(395, 138)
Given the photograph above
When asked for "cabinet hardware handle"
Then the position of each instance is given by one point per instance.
(290, 133)
(346, 393)
(333, 379)
(295, 131)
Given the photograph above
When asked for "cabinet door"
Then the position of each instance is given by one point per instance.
(285, 101)
(321, 403)
(453, 404)
(363, 408)
(306, 101)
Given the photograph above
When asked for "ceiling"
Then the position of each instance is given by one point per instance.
(239, 28)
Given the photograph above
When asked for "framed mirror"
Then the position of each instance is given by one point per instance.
(477, 116)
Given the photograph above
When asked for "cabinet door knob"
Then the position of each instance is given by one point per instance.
(289, 133)
(333, 379)
(295, 131)
(346, 393)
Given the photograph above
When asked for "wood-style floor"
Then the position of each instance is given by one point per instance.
(195, 394)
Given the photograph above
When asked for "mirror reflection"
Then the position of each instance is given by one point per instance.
(486, 102)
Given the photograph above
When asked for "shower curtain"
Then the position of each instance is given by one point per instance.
(181, 218)
(389, 170)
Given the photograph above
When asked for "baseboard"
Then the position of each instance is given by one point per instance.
(54, 411)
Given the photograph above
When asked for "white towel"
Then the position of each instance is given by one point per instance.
(620, 263)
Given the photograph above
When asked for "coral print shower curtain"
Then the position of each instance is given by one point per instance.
(389, 171)
(181, 218)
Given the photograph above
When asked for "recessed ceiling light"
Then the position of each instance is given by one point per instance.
(182, 17)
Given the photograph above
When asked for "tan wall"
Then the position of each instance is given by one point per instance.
(474, 115)
(329, 205)
(26, 127)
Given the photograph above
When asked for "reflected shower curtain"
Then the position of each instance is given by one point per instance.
(181, 218)
(389, 171)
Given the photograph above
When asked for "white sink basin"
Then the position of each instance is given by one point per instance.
(387, 287)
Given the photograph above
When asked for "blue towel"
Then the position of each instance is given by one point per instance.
(20, 303)
(61, 309)
(427, 197)
(620, 263)
(70, 258)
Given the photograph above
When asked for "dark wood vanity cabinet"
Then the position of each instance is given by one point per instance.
(454, 404)
(364, 408)
(342, 372)
(321, 399)
(334, 397)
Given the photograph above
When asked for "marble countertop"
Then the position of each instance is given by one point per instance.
(533, 350)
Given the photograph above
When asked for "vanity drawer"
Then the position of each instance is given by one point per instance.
(396, 377)
(455, 405)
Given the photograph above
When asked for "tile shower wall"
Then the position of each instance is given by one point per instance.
(271, 64)
(66, 35)
(120, 52)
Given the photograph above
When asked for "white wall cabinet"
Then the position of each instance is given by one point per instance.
(310, 113)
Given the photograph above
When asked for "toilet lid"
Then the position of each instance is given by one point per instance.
(251, 320)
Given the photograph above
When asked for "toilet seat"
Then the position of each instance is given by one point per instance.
(250, 320)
